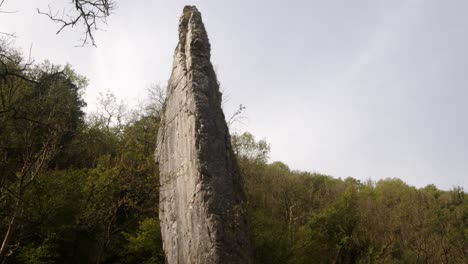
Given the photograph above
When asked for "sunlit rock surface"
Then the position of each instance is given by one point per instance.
(201, 203)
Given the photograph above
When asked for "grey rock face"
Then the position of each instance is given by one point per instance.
(201, 203)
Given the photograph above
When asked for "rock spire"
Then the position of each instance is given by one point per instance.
(201, 205)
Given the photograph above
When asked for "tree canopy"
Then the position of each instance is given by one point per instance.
(83, 188)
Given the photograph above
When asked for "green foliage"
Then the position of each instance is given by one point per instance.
(333, 230)
(39, 254)
(145, 246)
(298, 217)
(101, 211)
(72, 191)
(245, 147)
(86, 191)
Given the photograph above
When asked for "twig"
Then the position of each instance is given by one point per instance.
(89, 13)
(11, 35)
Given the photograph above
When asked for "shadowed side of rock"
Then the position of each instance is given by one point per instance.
(201, 203)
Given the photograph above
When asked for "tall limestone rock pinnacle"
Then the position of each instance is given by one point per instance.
(201, 202)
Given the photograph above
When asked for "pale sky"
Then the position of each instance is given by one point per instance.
(368, 89)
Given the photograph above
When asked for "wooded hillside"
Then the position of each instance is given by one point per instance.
(78, 188)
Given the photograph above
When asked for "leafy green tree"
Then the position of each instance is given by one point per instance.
(146, 245)
(333, 231)
(85, 190)
(245, 147)
(40, 109)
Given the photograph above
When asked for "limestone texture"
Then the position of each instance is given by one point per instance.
(201, 205)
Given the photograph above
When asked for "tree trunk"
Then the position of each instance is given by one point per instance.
(6, 238)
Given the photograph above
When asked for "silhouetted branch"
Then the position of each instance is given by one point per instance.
(8, 58)
(237, 116)
(8, 12)
(11, 35)
(88, 13)
(156, 98)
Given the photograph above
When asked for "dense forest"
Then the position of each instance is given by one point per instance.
(83, 188)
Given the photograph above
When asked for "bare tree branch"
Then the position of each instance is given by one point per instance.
(88, 13)
(9, 57)
(8, 12)
(237, 116)
(156, 98)
(11, 35)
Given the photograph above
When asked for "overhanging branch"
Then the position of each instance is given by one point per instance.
(88, 13)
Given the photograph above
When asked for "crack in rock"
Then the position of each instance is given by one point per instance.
(201, 206)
